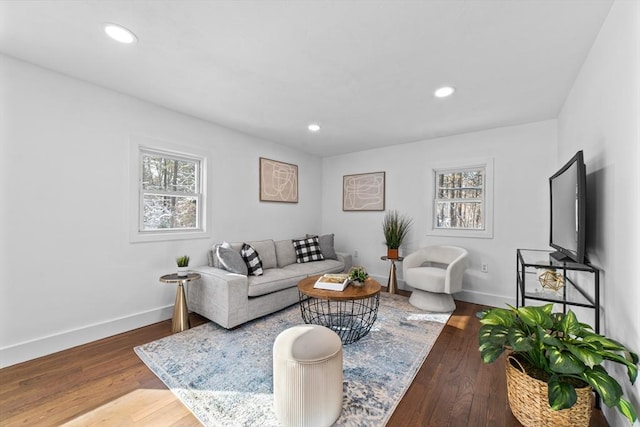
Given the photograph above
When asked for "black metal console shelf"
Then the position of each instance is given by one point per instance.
(530, 261)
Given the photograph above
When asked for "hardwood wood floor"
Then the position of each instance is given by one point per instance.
(105, 383)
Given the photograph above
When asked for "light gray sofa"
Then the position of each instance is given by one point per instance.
(231, 299)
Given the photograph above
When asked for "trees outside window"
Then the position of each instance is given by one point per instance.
(167, 192)
(170, 192)
(462, 200)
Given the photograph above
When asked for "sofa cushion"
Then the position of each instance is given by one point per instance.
(267, 251)
(307, 250)
(231, 260)
(430, 279)
(252, 259)
(285, 253)
(273, 280)
(326, 246)
(313, 268)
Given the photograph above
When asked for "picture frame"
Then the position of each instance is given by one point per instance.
(278, 181)
(363, 192)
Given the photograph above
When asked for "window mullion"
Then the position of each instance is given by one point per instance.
(169, 193)
(460, 200)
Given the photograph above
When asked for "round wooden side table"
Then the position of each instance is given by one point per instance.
(392, 283)
(180, 321)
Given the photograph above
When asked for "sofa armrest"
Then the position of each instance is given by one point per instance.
(219, 295)
(346, 259)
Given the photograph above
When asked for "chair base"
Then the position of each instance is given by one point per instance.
(430, 301)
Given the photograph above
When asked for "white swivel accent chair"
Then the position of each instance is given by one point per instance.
(435, 272)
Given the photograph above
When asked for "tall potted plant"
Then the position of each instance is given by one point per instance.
(395, 228)
(559, 356)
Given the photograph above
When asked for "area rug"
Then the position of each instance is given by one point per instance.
(226, 377)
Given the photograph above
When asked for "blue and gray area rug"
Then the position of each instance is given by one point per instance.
(226, 377)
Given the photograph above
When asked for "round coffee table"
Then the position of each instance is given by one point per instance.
(349, 313)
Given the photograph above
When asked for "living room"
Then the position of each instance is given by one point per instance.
(76, 276)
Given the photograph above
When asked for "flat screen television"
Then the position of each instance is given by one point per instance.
(568, 193)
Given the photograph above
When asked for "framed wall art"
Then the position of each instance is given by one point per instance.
(363, 192)
(278, 181)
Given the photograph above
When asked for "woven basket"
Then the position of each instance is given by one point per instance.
(529, 401)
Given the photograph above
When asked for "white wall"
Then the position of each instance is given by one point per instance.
(522, 166)
(69, 273)
(601, 116)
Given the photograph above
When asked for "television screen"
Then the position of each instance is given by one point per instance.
(568, 204)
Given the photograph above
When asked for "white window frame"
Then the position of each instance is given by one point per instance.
(140, 146)
(487, 203)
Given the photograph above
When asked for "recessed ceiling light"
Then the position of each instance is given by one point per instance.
(444, 91)
(119, 33)
(313, 127)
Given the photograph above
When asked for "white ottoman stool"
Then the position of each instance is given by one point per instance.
(307, 376)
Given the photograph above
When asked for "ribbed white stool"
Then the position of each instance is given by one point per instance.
(307, 376)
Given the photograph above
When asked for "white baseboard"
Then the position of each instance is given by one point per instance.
(43, 346)
(481, 298)
(485, 299)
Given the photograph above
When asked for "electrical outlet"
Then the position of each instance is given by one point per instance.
(484, 268)
(355, 254)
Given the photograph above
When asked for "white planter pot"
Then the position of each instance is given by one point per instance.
(183, 271)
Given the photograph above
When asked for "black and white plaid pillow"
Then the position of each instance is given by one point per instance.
(307, 250)
(252, 259)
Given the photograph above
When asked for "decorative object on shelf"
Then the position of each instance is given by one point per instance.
(395, 228)
(552, 280)
(278, 181)
(183, 265)
(358, 275)
(563, 356)
(363, 192)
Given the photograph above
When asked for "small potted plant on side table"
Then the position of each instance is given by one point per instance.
(554, 359)
(183, 265)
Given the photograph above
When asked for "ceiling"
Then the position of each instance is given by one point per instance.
(364, 70)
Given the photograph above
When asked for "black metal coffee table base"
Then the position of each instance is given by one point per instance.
(350, 319)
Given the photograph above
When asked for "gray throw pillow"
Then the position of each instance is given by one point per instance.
(326, 246)
(231, 260)
(285, 253)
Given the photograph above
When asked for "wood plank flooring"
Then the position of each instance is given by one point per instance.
(104, 383)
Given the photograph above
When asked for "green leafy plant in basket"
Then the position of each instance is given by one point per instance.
(183, 261)
(559, 350)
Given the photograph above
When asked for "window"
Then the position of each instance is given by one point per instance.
(169, 194)
(462, 199)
